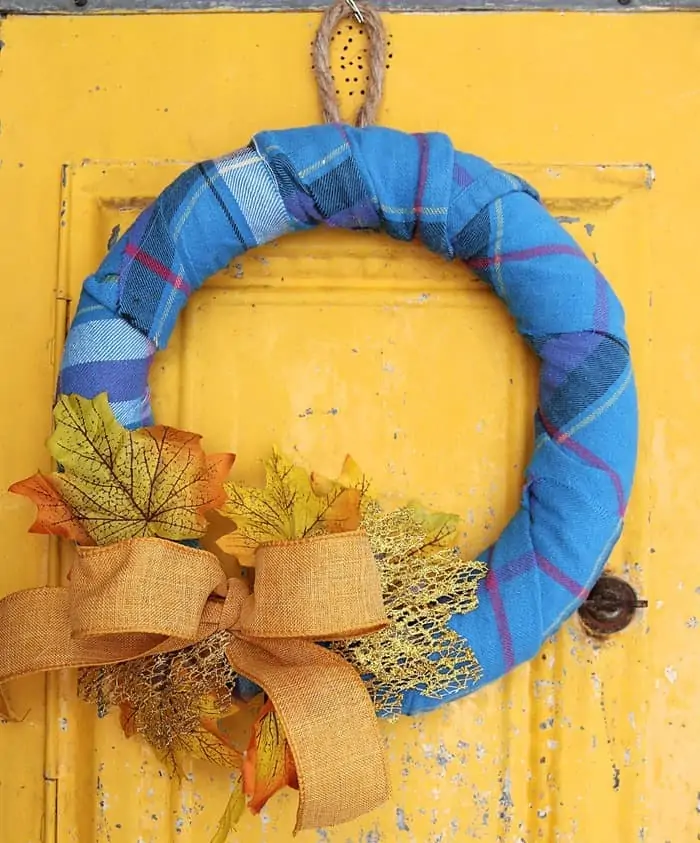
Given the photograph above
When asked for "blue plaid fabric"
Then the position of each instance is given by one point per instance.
(578, 482)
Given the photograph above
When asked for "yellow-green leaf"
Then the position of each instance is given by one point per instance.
(440, 528)
(351, 477)
(232, 814)
(289, 507)
(156, 481)
(207, 742)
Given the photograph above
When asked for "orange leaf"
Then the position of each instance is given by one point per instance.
(344, 513)
(54, 515)
(218, 467)
(344, 496)
(127, 719)
(6, 712)
(269, 764)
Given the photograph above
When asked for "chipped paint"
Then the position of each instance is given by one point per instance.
(401, 822)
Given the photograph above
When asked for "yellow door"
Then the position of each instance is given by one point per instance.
(327, 343)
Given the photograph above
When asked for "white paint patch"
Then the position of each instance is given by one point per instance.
(671, 674)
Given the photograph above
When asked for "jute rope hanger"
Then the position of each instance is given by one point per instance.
(369, 18)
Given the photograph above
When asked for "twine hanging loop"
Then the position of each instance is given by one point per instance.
(369, 18)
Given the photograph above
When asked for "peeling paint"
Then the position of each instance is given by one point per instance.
(616, 777)
(113, 237)
(443, 756)
(505, 801)
(401, 823)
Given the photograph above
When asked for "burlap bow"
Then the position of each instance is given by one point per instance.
(147, 596)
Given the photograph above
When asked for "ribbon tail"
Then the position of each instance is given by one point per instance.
(330, 724)
(36, 637)
(6, 712)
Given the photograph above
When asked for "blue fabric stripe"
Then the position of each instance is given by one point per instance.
(122, 380)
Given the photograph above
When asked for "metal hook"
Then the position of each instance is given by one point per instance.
(356, 11)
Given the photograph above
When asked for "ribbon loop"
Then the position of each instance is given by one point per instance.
(141, 585)
(320, 589)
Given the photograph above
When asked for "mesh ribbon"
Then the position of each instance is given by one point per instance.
(148, 596)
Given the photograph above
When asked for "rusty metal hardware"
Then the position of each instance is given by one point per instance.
(610, 606)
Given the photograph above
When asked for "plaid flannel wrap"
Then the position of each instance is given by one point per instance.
(578, 482)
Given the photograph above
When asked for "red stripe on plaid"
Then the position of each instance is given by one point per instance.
(564, 580)
(522, 564)
(499, 612)
(525, 254)
(176, 281)
(516, 567)
(589, 457)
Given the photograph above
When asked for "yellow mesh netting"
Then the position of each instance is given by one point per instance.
(425, 581)
(166, 697)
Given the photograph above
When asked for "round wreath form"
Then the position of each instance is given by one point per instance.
(170, 609)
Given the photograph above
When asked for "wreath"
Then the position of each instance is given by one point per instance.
(344, 609)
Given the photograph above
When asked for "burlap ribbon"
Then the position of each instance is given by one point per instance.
(147, 596)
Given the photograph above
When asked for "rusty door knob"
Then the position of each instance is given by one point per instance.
(610, 606)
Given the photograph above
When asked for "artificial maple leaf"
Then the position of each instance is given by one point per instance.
(119, 484)
(127, 719)
(440, 528)
(54, 516)
(351, 477)
(232, 813)
(207, 742)
(343, 514)
(269, 764)
(289, 507)
(347, 492)
(6, 712)
(211, 706)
